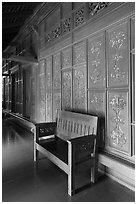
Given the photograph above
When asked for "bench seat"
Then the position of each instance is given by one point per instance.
(57, 147)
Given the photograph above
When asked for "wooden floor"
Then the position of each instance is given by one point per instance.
(23, 181)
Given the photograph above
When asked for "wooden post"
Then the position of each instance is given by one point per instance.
(94, 168)
(35, 149)
(70, 169)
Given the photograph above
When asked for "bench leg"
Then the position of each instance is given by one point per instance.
(35, 153)
(94, 171)
(35, 149)
(70, 170)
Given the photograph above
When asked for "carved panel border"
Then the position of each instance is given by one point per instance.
(118, 122)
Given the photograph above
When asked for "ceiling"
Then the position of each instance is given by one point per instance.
(14, 15)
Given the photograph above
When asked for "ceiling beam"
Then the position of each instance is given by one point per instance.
(23, 59)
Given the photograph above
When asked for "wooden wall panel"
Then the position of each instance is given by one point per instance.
(33, 95)
(57, 71)
(49, 73)
(48, 107)
(80, 88)
(79, 53)
(67, 57)
(96, 64)
(118, 121)
(67, 89)
(97, 102)
(42, 67)
(118, 57)
(53, 19)
(42, 100)
(56, 103)
(66, 8)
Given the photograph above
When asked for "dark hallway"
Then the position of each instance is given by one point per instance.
(23, 181)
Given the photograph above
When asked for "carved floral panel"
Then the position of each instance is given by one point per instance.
(66, 25)
(56, 103)
(66, 89)
(79, 16)
(118, 62)
(67, 57)
(96, 49)
(96, 102)
(95, 7)
(49, 73)
(54, 34)
(56, 71)
(79, 53)
(118, 120)
(79, 88)
(48, 107)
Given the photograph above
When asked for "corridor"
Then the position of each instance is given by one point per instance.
(24, 181)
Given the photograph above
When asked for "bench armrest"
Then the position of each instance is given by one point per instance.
(84, 146)
(45, 129)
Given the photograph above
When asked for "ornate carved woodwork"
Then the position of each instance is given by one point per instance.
(57, 71)
(66, 89)
(118, 120)
(79, 88)
(67, 58)
(49, 73)
(118, 62)
(56, 103)
(54, 34)
(79, 16)
(79, 53)
(96, 7)
(96, 49)
(48, 107)
(66, 25)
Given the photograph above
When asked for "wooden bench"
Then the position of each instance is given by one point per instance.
(68, 142)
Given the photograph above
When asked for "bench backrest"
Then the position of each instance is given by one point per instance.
(72, 125)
